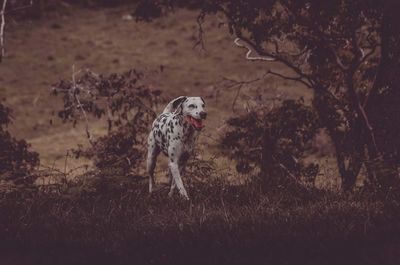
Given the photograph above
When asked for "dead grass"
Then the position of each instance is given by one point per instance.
(222, 224)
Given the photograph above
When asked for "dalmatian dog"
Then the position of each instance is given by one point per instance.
(174, 133)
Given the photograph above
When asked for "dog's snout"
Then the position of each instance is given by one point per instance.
(203, 114)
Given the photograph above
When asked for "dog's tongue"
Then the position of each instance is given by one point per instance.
(198, 124)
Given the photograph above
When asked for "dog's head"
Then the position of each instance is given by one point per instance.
(193, 109)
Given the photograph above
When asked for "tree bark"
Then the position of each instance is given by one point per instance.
(267, 161)
(382, 105)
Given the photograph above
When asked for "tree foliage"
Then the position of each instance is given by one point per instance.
(287, 132)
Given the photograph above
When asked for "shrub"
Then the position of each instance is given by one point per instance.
(273, 141)
(16, 161)
(125, 101)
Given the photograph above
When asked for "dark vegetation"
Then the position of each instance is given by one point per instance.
(286, 133)
(349, 59)
(223, 224)
(16, 161)
(128, 105)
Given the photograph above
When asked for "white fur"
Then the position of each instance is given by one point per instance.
(175, 136)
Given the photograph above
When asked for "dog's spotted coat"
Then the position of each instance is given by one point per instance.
(174, 133)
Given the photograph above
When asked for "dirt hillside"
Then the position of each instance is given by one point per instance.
(41, 52)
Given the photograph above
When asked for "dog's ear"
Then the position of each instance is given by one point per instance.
(175, 105)
(202, 99)
(178, 104)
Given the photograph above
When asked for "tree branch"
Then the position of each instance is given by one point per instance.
(88, 134)
(21, 7)
(240, 84)
(2, 25)
(249, 51)
(297, 79)
(200, 41)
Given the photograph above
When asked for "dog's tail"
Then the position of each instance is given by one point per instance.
(174, 104)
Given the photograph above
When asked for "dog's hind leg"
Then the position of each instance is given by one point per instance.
(152, 153)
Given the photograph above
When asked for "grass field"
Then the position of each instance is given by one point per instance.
(222, 224)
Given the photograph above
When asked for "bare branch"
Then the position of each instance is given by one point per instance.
(249, 51)
(365, 56)
(21, 7)
(200, 41)
(339, 61)
(290, 174)
(273, 57)
(297, 79)
(261, 54)
(239, 85)
(362, 52)
(369, 126)
(2, 25)
(89, 136)
(236, 97)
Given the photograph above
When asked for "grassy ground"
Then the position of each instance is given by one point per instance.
(222, 224)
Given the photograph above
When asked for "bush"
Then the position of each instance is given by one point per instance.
(273, 141)
(16, 161)
(127, 105)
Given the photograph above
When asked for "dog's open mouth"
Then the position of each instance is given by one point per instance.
(196, 123)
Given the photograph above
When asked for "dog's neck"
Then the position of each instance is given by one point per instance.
(188, 130)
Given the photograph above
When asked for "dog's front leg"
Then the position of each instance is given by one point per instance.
(173, 185)
(152, 153)
(182, 167)
(176, 179)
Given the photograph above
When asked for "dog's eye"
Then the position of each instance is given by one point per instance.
(203, 106)
(192, 106)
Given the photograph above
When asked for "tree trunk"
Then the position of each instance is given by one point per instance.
(382, 105)
(267, 161)
(348, 145)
